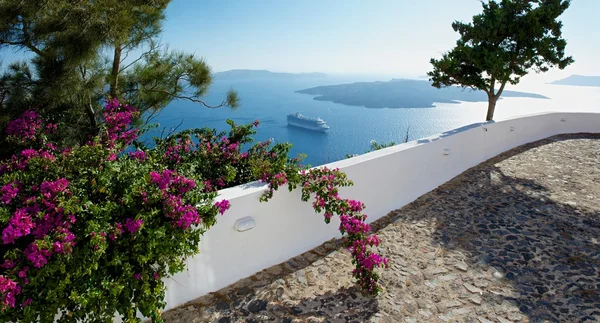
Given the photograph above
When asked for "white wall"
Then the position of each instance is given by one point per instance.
(384, 180)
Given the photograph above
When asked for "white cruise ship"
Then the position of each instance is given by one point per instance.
(298, 120)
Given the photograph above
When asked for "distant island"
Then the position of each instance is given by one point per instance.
(401, 93)
(263, 74)
(579, 80)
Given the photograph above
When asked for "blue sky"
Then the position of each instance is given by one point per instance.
(394, 37)
(377, 37)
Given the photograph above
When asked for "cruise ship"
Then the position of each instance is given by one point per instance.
(298, 120)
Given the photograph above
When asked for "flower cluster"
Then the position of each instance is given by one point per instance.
(9, 192)
(89, 215)
(96, 224)
(322, 184)
(25, 127)
(8, 289)
(223, 206)
(118, 119)
(178, 147)
(173, 187)
(140, 155)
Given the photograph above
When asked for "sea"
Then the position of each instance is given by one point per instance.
(353, 127)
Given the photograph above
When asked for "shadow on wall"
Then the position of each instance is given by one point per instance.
(545, 249)
(453, 132)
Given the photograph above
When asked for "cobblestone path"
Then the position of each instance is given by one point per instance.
(514, 239)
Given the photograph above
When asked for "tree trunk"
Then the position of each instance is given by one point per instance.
(92, 117)
(491, 107)
(114, 75)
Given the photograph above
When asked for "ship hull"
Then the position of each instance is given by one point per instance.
(307, 127)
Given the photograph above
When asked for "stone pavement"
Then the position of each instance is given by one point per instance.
(514, 239)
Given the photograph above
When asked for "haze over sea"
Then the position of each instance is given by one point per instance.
(353, 127)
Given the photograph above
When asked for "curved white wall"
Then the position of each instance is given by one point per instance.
(384, 180)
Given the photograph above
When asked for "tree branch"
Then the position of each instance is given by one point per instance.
(191, 99)
(23, 44)
(138, 59)
(500, 90)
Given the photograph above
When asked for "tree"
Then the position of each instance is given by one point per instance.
(84, 51)
(502, 44)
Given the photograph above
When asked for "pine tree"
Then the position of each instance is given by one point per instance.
(81, 52)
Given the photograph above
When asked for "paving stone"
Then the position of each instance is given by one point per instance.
(483, 320)
(475, 299)
(257, 306)
(446, 278)
(473, 289)
(462, 266)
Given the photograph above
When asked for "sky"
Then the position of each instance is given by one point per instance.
(384, 37)
(392, 38)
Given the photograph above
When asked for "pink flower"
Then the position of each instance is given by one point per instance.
(27, 302)
(133, 225)
(51, 189)
(23, 272)
(9, 290)
(58, 247)
(139, 155)
(26, 126)
(163, 180)
(51, 128)
(38, 257)
(137, 276)
(8, 264)
(223, 206)
(20, 224)
(9, 192)
(355, 206)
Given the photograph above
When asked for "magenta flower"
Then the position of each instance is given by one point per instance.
(163, 180)
(137, 276)
(355, 206)
(38, 257)
(20, 224)
(133, 225)
(23, 272)
(27, 302)
(26, 126)
(9, 192)
(51, 189)
(8, 264)
(139, 155)
(9, 289)
(223, 206)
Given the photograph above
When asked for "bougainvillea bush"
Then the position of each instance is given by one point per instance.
(91, 231)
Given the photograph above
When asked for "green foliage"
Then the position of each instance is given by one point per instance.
(225, 159)
(502, 44)
(377, 146)
(91, 231)
(83, 53)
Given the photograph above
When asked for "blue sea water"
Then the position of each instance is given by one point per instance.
(352, 127)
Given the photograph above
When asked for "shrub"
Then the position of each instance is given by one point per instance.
(91, 231)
